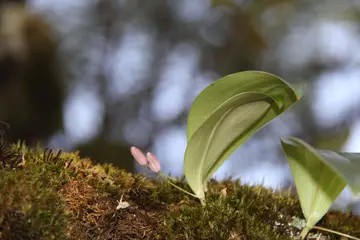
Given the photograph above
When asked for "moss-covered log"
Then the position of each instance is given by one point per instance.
(47, 195)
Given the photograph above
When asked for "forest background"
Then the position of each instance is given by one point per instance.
(132, 68)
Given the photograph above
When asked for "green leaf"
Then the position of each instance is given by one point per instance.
(320, 176)
(226, 114)
(347, 165)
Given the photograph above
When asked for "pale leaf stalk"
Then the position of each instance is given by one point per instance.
(335, 232)
(153, 164)
(181, 189)
(306, 230)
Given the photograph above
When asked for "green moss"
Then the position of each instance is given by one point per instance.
(30, 205)
(54, 197)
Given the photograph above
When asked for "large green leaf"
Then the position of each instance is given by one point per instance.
(226, 114)
(320, 176)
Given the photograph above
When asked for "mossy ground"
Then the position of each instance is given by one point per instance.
(51, 196)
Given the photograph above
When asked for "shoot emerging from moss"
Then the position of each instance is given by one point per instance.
(153, 164)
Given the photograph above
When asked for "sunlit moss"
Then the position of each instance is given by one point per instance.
(55, 197)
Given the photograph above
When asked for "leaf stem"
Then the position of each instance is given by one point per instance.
(304, 232)
(336, 232)
(172, 184)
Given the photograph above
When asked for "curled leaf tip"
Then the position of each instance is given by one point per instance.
(300, 90)
(285, 140)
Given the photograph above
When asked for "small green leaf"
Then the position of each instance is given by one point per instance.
(225, 115)
(320, 176)
(347, 165)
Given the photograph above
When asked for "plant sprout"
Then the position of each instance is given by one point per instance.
(153, 164)
(230, 111)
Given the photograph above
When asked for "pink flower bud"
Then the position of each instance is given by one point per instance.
(154, 163)
(139, 156)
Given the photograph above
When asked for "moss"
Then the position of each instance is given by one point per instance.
(30, 207)
(52, 196)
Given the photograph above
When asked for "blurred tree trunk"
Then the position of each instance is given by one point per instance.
(31, 75)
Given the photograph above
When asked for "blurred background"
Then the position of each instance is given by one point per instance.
(116, 73)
